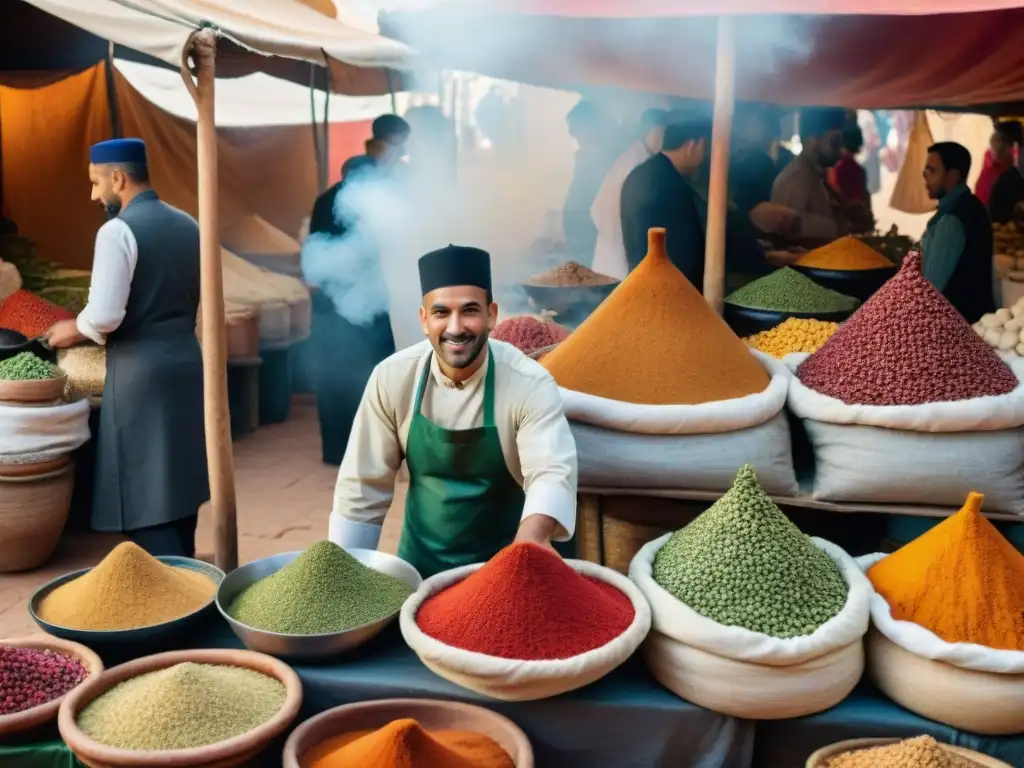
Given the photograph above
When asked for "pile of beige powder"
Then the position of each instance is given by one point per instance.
(919, 752)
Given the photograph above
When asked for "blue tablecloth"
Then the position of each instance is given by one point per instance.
(627, 720)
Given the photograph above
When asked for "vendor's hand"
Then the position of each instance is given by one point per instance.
(64, 334)
(773, 218)
(537, 529)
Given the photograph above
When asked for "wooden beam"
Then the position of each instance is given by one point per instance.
(202, 48)
(718, 187)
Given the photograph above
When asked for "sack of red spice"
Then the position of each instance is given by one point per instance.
(526, 625)
(29, 314)
(905, 403)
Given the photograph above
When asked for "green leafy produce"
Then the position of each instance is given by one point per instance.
(182, 707)
(743, 563)
(786, 290)
(324, 590)
(26, 366)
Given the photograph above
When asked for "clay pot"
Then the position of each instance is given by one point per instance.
(432, 715)
(223, 754)
(35, 468)
(975, 759)
(33, 513)
(33, 391)
(44, 713)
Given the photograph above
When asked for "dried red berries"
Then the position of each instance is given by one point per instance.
(29, 314)
(30, 677)
(906, 346)
(528, 334)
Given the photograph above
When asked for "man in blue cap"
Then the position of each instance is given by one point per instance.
(480, 426)
(151, 473)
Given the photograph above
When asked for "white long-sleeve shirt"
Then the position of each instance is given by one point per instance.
(536, 441)
(606, 211)
(114, 261)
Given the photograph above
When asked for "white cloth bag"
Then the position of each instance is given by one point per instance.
(512, 680)
(44, 433)
(695, 447)
(934, 453)
(748, 674)
(964, 685)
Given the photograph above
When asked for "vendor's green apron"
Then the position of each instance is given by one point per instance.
(463, 504)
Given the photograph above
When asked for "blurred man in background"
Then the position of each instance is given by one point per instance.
(606, 212)
(592, 128)
(660, 192)
(1008, 186)
(802, 186)
(957, 242)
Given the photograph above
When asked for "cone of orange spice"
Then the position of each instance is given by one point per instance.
(962, 580)
(406, 744)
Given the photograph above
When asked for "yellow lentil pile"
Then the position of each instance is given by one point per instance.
(794, 335)
(920, 752)
(129, 589)
(845, 254)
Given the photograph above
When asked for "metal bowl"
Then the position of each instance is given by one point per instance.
(859, 283)
(563, 299)
(308, 647)
(151, 635)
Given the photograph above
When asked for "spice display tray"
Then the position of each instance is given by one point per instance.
(432, 715)
(28, 719)
(224, 754)
(308, 647)
(746, 321)
(36, 391)
(820, 758)
(141, 636)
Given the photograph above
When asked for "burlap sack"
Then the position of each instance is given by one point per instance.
(512, 680)
(747, 674)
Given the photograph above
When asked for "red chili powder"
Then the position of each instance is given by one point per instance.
(29, 314)
(528, 334)
(906, 345)
(526, 603)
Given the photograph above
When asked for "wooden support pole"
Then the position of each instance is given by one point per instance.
(202, 48)
(718, 187)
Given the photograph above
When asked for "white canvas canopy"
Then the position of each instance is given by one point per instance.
(305, 30)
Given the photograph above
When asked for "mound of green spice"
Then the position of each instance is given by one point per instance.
(182, 707)
(323, 590)
(786, 290)
(743, 563)
(25, 366)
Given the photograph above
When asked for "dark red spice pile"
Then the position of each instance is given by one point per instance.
(29, 677)
(29, 314)
(528, 334)
(906, 345)
(527, 604)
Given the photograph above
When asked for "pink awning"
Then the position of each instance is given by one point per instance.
(646, 9)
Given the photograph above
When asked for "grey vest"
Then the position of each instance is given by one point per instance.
(164, 297)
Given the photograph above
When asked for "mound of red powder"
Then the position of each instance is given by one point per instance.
(526, 603)
(906, 345)
(528, 334)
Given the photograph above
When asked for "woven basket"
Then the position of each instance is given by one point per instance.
(33, 513)
(820, 758)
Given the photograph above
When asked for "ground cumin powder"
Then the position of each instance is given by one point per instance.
(655, 341)
(128, 589)
(847, 254)
(406, 744)
(962, 580)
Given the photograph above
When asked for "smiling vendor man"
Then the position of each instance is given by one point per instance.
(490, 454)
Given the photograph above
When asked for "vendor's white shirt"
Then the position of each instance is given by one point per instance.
(606, 211)
(538, 445)
(113, 268)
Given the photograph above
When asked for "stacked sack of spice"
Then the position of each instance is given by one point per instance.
(905, 403)
(525, 625)
(282, 301)
(751, 617)
(948, 608)
(85, 366)
(661, 393)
